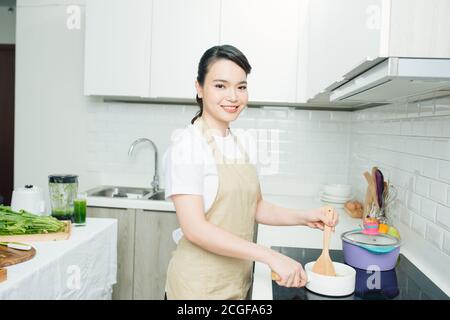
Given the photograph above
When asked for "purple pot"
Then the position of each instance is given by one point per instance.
(361, 258)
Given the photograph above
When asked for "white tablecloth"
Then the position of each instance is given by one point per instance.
(82, 267)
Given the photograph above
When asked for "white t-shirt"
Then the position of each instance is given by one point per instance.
(190, 167)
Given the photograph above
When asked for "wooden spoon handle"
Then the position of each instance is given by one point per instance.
(327, 230)
(275, 276)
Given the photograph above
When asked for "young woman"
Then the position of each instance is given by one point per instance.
(213, 183)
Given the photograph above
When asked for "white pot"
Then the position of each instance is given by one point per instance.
(29, 198)
(342, 284)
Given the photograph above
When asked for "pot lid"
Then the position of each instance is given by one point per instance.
(359, 238)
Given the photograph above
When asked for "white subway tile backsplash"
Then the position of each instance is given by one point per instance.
(422, 186)
(401, 110)
(413, 109)
(438, 191)
(429, 168)
(406, 216)
(419, 127)
(321, 115)
(426, 108)
(417, 157)
(428, 209)
(440, 149)
(434, 127)
(446, 246)
(419, 225)
(434, 235)
(444, 171)
(442, 106)
(443, 216)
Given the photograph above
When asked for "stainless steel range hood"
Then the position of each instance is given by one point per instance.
(392, 79)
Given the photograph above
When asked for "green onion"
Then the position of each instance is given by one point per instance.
(22, 222)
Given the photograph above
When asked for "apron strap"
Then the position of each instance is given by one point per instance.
(218, 155)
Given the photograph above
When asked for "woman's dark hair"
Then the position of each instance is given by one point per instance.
(212, 55)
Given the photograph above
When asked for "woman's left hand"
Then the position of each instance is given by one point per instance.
(317, 218)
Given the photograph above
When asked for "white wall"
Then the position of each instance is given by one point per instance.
(51, 111)
(410, 143)
(7, 26)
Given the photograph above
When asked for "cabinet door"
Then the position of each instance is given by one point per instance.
(117, 47)
(266, 31)
(341, 35)
(123, 289)
(153, 248)
(182, 30)
(420, 28)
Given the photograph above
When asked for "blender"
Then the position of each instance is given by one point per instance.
(63, 190)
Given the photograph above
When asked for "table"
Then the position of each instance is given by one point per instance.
(82, 267)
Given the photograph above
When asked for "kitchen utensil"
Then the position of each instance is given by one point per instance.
(28, 198)
(63, 190)
(11, 256)
(370, 251)
(53, 236)
(342, 284)
(3, 274)
(16, 245)
(324, 265)
(379, 182)
(370, 193)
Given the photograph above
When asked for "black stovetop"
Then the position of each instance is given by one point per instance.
(405, 282)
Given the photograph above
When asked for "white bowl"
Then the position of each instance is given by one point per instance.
(338, 190)
(343, 284)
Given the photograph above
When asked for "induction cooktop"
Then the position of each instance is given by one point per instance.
(404, 282)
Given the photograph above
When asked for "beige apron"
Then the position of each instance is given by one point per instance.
(195, 273)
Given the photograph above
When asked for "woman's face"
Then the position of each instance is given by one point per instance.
(224, 91)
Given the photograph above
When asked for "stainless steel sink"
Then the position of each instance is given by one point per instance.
(126, 192)
(160, 195)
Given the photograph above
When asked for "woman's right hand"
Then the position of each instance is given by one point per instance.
(290, 271)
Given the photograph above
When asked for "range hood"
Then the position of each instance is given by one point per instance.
(386, 80)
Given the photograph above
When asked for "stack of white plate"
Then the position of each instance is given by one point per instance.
(336, 193)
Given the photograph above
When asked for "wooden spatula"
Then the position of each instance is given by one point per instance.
(324, 265)
(2, 274)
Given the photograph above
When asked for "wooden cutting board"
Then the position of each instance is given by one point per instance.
(9, 256)
(54, 236)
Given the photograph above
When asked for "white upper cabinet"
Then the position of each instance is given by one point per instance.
(341, 34)
(349, 36)
(267, 32)
(117, 47)
(182, 30)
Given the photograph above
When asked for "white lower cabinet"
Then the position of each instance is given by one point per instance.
(144, 247)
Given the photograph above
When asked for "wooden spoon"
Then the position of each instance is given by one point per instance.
(2, 274)
(324, 265)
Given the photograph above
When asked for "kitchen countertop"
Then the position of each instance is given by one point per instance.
(285, 236)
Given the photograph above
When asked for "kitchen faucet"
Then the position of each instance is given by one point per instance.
(155, 182)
